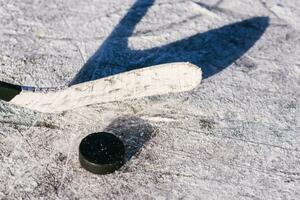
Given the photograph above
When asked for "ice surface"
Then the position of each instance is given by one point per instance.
(236, 136)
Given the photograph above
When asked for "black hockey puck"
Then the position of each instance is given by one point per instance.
(101, 153)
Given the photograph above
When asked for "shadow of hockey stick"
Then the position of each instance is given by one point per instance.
(213, 50)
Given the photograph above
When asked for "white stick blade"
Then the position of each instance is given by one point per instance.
(155, 80)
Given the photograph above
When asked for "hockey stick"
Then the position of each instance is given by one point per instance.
(155, 80)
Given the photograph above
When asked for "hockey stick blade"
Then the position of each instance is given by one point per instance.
(150, 81)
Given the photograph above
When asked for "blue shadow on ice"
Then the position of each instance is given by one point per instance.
(213, 50)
